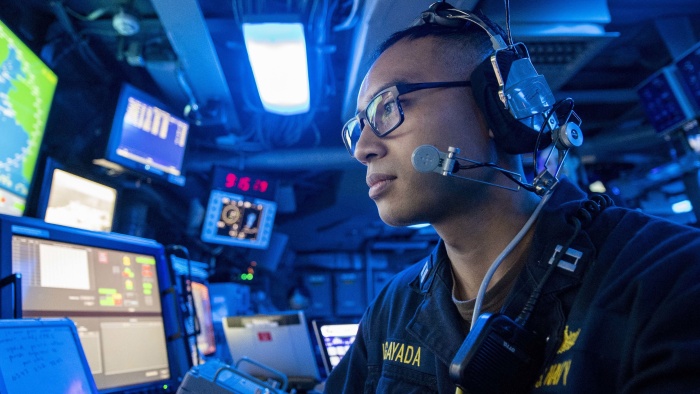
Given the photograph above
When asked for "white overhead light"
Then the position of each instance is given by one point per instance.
(277, 53)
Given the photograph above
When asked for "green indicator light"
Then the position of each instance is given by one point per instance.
(107, 302)
(145, 260)
(106, 291)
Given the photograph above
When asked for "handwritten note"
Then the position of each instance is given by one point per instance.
(41, 359)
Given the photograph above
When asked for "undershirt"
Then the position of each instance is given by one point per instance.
(494, 298)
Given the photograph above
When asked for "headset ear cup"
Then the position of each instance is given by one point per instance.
(511, 135)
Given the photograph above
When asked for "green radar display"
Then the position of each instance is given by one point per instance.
(27, 87)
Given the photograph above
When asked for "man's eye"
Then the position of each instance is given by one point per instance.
(389, 107)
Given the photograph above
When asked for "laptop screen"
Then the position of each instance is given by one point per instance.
(43, 356)
(280, 341)
(334, 339)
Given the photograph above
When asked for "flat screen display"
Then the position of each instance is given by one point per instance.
(664, 102)
(688, 66)
(280, 341)
(27, 87)
(233, 219)
(206, 341)
(43, 356)
(78, 202)
(334, 339)
(146, 137)
(692, 136)
(108, 286)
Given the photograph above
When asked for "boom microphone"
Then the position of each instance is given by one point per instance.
(427, 158)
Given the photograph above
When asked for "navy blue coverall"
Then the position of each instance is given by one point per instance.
(622, 316)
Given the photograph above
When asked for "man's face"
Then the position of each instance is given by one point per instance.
(441, 117)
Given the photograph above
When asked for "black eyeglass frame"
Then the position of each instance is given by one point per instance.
(399, 89)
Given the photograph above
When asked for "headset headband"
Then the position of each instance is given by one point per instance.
(445, 14)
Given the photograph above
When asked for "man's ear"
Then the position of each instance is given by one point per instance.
(512, 136)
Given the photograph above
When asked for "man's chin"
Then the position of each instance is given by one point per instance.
(394, 219)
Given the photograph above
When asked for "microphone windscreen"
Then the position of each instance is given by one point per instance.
(425, 158)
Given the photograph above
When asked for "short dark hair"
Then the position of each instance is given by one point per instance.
(466, 37)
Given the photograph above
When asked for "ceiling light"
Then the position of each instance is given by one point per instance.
(277, 53)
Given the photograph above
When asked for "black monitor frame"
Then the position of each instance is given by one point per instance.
(31, 230)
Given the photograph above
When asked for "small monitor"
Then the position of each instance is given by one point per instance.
(43, 356)
(688, 66)
(279, 341)
(664, 101)
(27, 87)
(692, 137)
(237, 220)
(108, 284)
(146, 137)
(78, 202)
(334, 338)
(206, 341)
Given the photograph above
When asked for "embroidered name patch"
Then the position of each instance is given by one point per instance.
(402, 353)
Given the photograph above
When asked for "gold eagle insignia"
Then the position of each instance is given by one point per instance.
(569, 341)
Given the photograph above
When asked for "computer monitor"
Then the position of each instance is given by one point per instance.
(688, 65)
(237, 220)
(146, 137)
(43, 356)
(206, 342)
(691, 134)
(334, 339)
(664, 101)
(27, 89)
(280, 341)
(75, 201)
(108, 284)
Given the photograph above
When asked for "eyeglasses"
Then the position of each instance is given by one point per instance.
(384, 113)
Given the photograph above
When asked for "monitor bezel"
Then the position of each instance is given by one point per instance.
(120, 163)
(317, 324)
(47, 184)
(76, 353)
(48, 72)
(35, 228)
(693, 94)
(210, 335)
(670, 78)
(213, 213)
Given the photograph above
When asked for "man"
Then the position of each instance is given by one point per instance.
(608, 299)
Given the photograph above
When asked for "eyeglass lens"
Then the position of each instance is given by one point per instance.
(383, 115)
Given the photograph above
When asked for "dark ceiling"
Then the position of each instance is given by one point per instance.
(322, 197)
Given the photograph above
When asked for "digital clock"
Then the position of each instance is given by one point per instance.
(243, 183)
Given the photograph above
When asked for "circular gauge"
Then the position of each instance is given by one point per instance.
(230, 214)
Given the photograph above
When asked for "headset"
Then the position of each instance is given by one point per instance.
(517, 102)
(501, 354)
